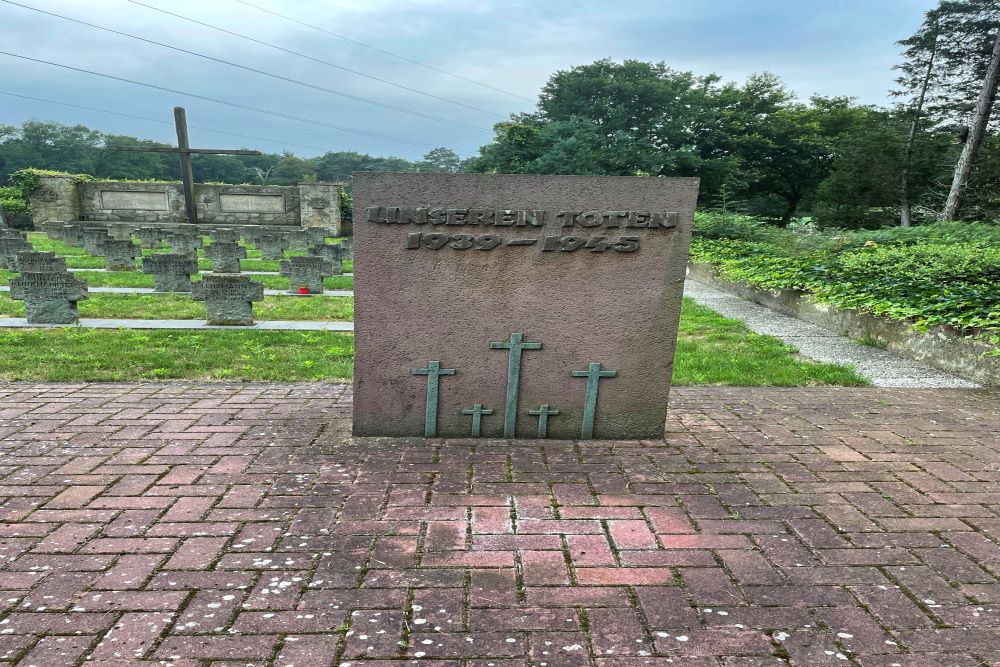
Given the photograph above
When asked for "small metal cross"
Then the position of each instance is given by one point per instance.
(477, 411)
(543, 412)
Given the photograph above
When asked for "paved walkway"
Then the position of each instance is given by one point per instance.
(264, 325)
(882, 368)
(197, 524)
(150, 290)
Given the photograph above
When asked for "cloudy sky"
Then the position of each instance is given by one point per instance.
(476, 61)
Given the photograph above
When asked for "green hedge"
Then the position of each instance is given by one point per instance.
(940, 274)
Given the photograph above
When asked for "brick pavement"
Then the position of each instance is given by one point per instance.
(213, 524)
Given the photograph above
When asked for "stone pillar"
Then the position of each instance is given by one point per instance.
(55, 200)
(320, 205)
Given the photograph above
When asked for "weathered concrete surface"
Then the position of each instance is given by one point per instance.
(619, 309)
(199, 524)
(940, 347)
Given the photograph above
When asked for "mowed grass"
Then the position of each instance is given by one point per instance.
(170, 306)
(110, 355)
(715, 350)
(712, 350)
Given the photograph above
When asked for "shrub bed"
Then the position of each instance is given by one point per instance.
(938, 274)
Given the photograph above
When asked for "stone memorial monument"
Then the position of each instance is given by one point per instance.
(228, 298)
(347, 244)
(171, 271)
(150, 237)
(305, 274)
(120, 231)
(119, 255)
(49, 297)
(272, 246)
(72, 235)
(10, 247)
(225, 256)
(539, 306)
(332, 253)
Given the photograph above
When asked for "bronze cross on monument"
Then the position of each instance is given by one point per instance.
(185, 151)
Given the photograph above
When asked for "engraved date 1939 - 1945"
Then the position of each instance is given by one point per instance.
(437, 241)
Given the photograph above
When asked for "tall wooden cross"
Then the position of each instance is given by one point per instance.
(185, 151)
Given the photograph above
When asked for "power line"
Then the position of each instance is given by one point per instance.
(388, 53)
(255, 70)
(237, 105)
(161, 122)
(317, 60)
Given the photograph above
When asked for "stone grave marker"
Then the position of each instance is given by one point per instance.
(10, 246)
(8, 233)
(225, 256)
(49, 297)
(33, 261)
(272, 246)
(299, 239)
(552, 301)
(305, 274)
(171, 271)
(185, 243)
(228, 298)
(150, 237)
(72, 235)
(120, 254)
(332, 253)
(225, 235)
(348, 244)
(120, 231)
(94, 239)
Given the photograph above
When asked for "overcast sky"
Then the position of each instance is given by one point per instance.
(841, 47)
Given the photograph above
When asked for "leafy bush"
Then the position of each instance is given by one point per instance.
(940, 274)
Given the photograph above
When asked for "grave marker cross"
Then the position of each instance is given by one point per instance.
(185, 151)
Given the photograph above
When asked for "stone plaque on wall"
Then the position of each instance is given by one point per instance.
(134, 201)
(252, 203)
(517, 306)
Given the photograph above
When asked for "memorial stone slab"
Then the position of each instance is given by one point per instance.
(119, 255)
(33, 261)
(272, 246)
(305, 274)
(551, 300)
(49, 298)
(228, 298)
(348, 245)
(150, 237)
(94, 239)
(171, 271)
(10, 247)
(8, 233)
(225, 256)
(332, 253)
(225, 235)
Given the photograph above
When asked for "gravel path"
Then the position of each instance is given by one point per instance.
(882, 368)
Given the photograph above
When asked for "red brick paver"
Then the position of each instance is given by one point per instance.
(218, 525)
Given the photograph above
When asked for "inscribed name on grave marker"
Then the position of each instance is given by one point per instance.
(171, 271)
(10, 248)
(272, 246)
(119, 255)
(552, 301)
(134, 201)
(49, 298)
(252, 203)
(225, 256)
(228, 298)
(40, 262)
(306, 273)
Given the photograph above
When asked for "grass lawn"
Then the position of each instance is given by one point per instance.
(170, 306)
(711, 350)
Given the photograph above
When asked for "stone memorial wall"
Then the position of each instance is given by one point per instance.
(62, 199)
(517, 306)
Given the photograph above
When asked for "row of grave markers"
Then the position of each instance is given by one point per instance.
(51, 292)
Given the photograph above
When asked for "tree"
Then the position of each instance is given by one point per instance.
(338, 166)
(441, 160)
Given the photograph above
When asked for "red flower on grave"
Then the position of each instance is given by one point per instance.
(303, 290)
